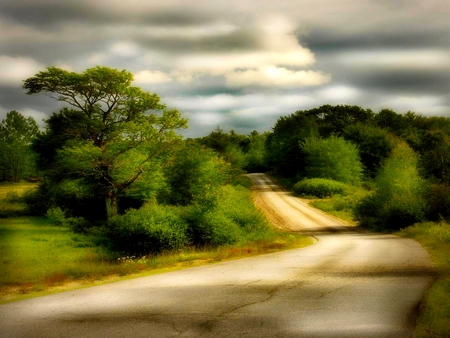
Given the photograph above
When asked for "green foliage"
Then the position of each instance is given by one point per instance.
(17, 160)
(374, 145)
(113, 136)
(283, 155)
(398, 201)
(232, 218)
(319, 187)
(332, 158)
(193, 175)
(438, 201)
(151, 229)
(56, 216)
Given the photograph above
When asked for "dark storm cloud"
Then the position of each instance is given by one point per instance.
(45, 14)
(239, 40)
(403, 82)
(323, 41)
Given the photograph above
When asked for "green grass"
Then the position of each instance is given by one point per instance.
(434, 318)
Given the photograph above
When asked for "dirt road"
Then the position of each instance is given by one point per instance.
(348, 284)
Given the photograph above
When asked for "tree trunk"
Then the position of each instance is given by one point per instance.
(111, 205)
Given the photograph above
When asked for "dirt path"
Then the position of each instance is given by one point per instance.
(348, 284)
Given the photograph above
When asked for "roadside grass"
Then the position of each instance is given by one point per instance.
(37, 257)
(434, 318)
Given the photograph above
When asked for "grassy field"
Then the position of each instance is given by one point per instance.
(37, 257)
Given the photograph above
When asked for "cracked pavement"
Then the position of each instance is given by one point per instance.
(348, 284)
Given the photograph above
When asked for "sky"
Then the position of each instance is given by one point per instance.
(237, 64)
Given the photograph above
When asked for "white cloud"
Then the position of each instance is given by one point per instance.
(125, 48)
(215, 29)
(338, 94)
(275, 77)
(14, 70)
(268, 64)
(421, 104)
(147, 76)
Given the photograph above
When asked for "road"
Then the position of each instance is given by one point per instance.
(348, 284)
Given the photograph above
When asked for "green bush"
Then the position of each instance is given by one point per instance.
(151, 229)
(231, 219)
(215, 228)
(398, 201)
(319, 187)
(438, 199)
(56, 215)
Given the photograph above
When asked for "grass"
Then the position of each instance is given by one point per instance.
(434, 318)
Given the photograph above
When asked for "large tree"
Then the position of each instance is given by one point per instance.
(16, 157)
(112, 132)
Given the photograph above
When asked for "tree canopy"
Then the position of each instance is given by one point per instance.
(16, 157)
(111, 133)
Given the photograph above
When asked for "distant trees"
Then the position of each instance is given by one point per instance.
(406, 156)
(110, 136)
(17, 160)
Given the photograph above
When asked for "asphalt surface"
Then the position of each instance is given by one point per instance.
(348, 284)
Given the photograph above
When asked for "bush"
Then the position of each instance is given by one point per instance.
(151, 229)
(215, 228)
(438, 199)
(56, 215)
(319, 187)
(398, 201)
(231, 219)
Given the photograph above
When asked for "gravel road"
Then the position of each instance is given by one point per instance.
(348, 284)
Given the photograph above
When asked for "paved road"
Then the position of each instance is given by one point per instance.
(348, 284)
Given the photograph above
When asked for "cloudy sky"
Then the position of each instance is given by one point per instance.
(237, 64)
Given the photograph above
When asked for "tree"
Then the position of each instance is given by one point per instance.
(333, 158)
(17, 160)
(398, 201)
(112, 133)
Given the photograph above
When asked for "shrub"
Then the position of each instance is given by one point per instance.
(151, 229)
(438, 199)
(319, 187)
(231, 219)
(215, 228)
(56, 215)
(398, 201)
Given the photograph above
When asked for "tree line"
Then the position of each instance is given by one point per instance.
(115, 148)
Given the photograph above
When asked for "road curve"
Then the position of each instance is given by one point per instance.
(348, 284)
